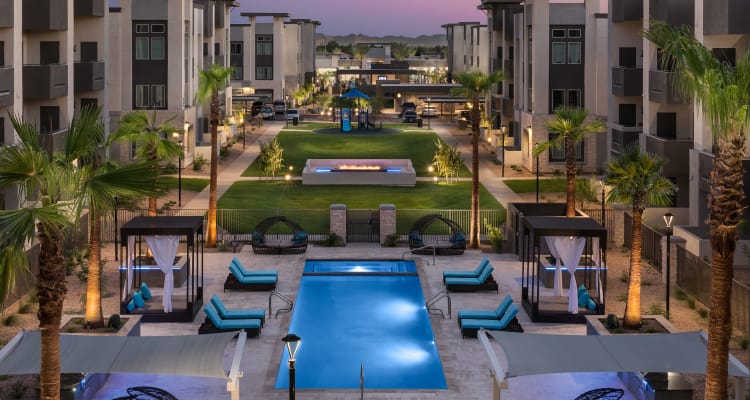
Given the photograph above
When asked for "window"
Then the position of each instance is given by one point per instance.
(157, 48)
(574, 33)
(557, 154)
(574, 52)
(205, 49)
(141, 28)
(574, 97)
(157, 28)
(558, 53)
(217, 49)
(236, 48)
(150, 96)
(725, 55)
(236, 73)
(264, 73)
(2, 130)
(264, 45)
(141, 48)
(158, 96)
(558, 33)
(558, 98)
(141, 96)
(2, 53)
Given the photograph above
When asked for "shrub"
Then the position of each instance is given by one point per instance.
(170, 168)
(496, 236)
(744, 342)
(691, 303)
(11, 320)
(223, 245)
(681, 295)
(624, 277)
(655, 309)
(333, 240)
(702, 312)
(391, 240)
(25, 308)
(612, 321)
(198, 162)
(114, 322)
(623, 297)
(224, 152)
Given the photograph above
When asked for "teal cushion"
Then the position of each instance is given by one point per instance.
(583, 299)
(131, 306)
(591, 305)
(299, 237)
(145, 291)
(258, 238)
(581, 289)
(416, 238)
(138, 299)
(458, 237)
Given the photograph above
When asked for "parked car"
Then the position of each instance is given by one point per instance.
(279, 106)
(293, 113)
(267, 112)
(429, 112)
(407, 105)
(410, 116)
(256, 107)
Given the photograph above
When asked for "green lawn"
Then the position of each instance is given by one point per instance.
(189, 184)
(419, 146)
(545, 185)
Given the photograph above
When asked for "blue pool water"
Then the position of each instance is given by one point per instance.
(372, 313)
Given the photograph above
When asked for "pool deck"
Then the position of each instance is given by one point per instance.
(464, 361)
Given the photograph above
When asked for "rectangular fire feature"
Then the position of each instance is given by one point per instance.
(389, 172)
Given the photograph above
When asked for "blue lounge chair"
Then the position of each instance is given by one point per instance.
(508, 322)
(235, 280)
(247, 272)
(487, 314)
(467, 274)
(214, 323)
(225, 313)
(484, 281)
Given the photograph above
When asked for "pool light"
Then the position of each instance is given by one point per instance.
(292, 342)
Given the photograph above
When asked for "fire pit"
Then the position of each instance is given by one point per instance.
(396, 172)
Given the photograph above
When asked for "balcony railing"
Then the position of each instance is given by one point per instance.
(627, 81)
(45, 15)
(626, 10)
(45, 81)
(6, 86)
(88, 76)
(673, 12)
(89, 8)
(661, 88)
(53, 141)
(623, 138)
(6, 17)
(508, 68)
(726, 17)
(674, 150)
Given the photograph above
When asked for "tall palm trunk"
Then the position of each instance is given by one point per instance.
(51, 290)
(570, 174)
(632, 319)
(474, 225)
(725, 212)
(213, 183)
(93, 316)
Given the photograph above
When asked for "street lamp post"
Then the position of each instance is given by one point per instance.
(292, 343)
(503, 130)
(668, 231)
(179, 174)
(246, 90)
(537, 178)
(428, 111)
(601, 183)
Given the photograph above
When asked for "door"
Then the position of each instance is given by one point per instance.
(49, 53)
(363, 226)
(49, 119)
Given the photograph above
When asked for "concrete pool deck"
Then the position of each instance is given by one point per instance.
(465, 363)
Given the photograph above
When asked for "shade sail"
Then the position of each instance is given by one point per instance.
(354, 93)
(534, 354)
(195, 355)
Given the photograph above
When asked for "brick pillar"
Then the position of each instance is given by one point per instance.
(338, 220)
(387, 221)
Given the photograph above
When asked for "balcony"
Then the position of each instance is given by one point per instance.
(622, 138)
(6, 86)
(88, 76)
(53, 142)
(626, 10)
(45, 15)
(627, 81)
(6, 17)
(89, 8)
(208, 61)
(673, 12)
(219, 21)
(661, 88)
(508, 68)
(507, 107)
(677, 151)
(726, 17)
(47, 81)
(208, 20)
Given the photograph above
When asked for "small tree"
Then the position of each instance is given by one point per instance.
(447, 160)
(271, 158)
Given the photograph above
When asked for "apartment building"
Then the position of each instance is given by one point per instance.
(273, 55)
(553, 55)
(468, 47)
(51, 65)
(157, 48)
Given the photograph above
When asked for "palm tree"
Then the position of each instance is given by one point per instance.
(101, 182)
(475, 84)
(359, 51)
(566, 130)
(152, 142)
(401, 51)
(210, 82)
(635, 177)
(723, 94)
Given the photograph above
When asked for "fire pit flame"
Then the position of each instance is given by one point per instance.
(359, 167)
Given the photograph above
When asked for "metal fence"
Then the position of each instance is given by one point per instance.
(694, 277)
(405, 220)
(609, 223)
(650, 242)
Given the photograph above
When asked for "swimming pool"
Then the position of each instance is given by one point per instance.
(371, 313)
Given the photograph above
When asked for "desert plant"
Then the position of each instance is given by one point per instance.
(198, 162)
(391, 240)
(170, 168)
(447, 160)
(681, 295)
(271, 157)
(623, 297)
(333, 240)
(655, 309)
(612, 321)
(25, 308)
(744, 342)
(624, 277)
(496, 236)
(702, 312)
(691, 303)
(11, 320)
(114, 321)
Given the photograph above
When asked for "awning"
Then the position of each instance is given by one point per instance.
(534, 354)
(195, 355)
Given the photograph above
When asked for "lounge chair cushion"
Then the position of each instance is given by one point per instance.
(252, 278)
(299, 238)
(416, 238)
(583, 299)
(131, 305)
(467, 274)
(487, 314)
(581, 289)
(258, 238)
(245, 272)
(138, 300)
(236, 314)
(471, 281)
(458, 240)
(220, 323)
(145, 291)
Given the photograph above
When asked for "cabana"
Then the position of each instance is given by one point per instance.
(568, 239)
(163, 235)
(293, 240)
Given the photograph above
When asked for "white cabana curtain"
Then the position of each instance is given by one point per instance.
(164, 249)
(129, 265)
(598, 262)
(570, 250)
(558, 286)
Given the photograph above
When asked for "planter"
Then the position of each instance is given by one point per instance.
(650, 385)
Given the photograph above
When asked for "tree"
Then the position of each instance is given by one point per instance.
(401, 51)
(723, 94)
(635, 178)
(475, 84)
(51, 197)
(359, 51)
(152, 142)
(271, 157)
(447, 160)
(566, 130)
(210, 82)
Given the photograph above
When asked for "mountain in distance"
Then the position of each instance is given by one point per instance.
(422, 40)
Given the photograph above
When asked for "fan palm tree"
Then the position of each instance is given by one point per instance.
(359, 51)
(474, 85)
(723, 94)
(101, 182)
(566, 130)
(635, 178)
(210, 82)
(152, 142)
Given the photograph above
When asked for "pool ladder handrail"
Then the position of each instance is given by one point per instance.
(286, 299)
(443, 294)
(411, 251)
